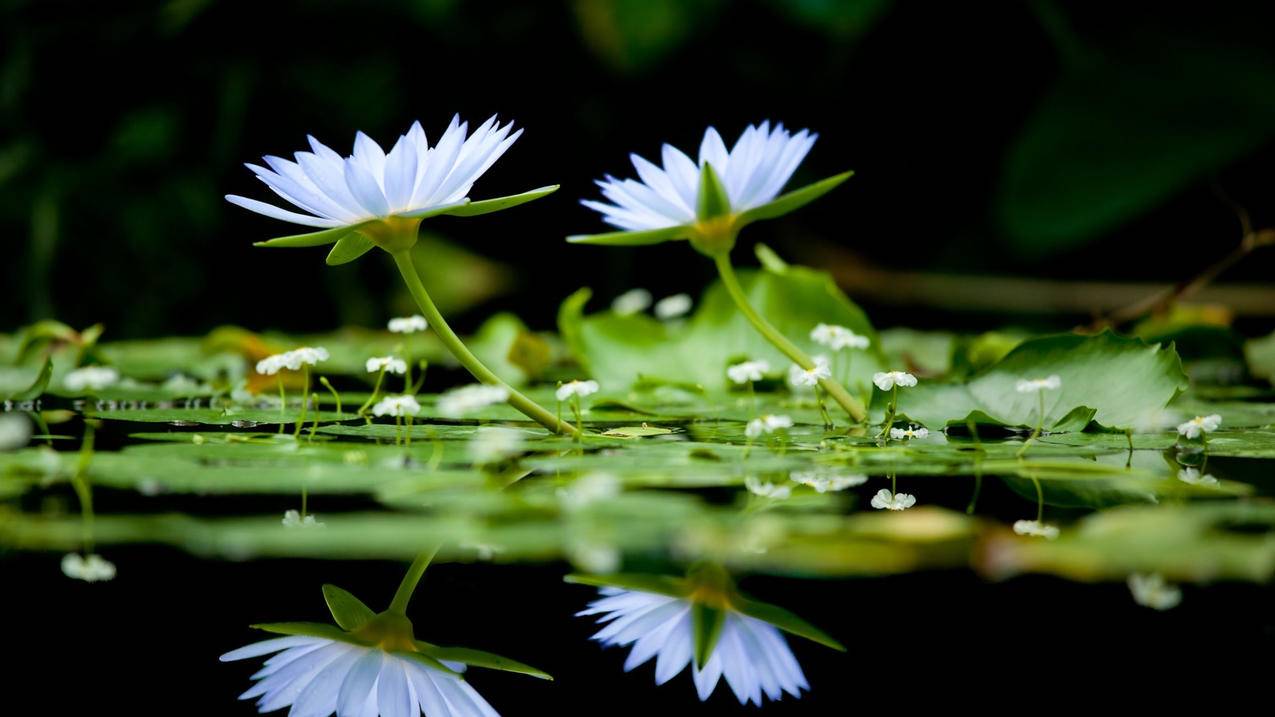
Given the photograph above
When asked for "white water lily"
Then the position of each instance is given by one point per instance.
(494, 444)
(318, 676)
(407, 324)
(838, 337)
(902, 434)
(90, 378)
(766, 489)
(672, 307)
(578, 389)
(389, 364)
(824, 482)
(1192, 476)
(751, 654)
(15, 431)
(293, 519)
(633, 301)
(90, 568)
(1036, 385)
(805, 378)
(411, 180)
(1036, 528)
(747, 371)
(467, 399)
(767, 424)
(292, 360)
(1154, 592)
(397, 406)
(886, 380)
(1199, 425)
(885, 500)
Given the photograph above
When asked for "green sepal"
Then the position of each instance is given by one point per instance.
(706, 625)
(348, 611)
(320, 238)
(37, 386)
(348, 248)
(308, 629)
(793, 200)
(784, 620)
(425, 660)
(659, 584)
(435, 211)
(638, 238)
(712, 201)
(479, 658)
(487, 206)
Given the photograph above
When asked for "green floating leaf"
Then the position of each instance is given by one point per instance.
(637, 238)
(348, 248)
(784, 620)
(658, 584)
(706, 625)
(1115, 381)
(479, 658)
(319, 238)
(643, 431)
(1260, 354)
(486, 206)
(348, 611)
(793, 200)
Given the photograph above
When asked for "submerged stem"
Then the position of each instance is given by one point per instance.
(781, 342)
(529, 408)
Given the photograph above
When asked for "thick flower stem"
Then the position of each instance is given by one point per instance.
(403, 595)
(525, 405)
(781, 342)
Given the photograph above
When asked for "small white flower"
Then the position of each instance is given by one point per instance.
(633, 301)
(1152, 591)
(766, 424)
(748, 371)
(886, 380)
(766, 489)
(397, 406)
(900, 434)
(90, 378)
(1193, 477)
(751, 654)
(15, 431)
(318, 676)
(1036, 528)
(494, 444)
(589, 489)
(1035, 385)
(292, 360)
(271, 365)
(576, 388)
(671, 307)
(824, 482)
(467, 399)
(90, 568)
(389, 364)
(293, 519)
(1200, 424)
(799, 376)
(885, 500)
(407, 324)
(838, 337)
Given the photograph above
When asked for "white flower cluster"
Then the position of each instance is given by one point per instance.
(1036, 385)
(633, 301)
(90, 568)
(292, 360)
(1154, 592)
(806, 378)
(467, 399)
(397, 406)
(766, 489)
(885, 500)
(1036, 528)
(766, 424)
(824, 482)
(293, 519)
(747, 371)
(578, 389)
(838, 337)
(900, 434)
(1199, 425)
(389, 364)
(407, 324)
(90, 378)
(672, 307)
(886, 380)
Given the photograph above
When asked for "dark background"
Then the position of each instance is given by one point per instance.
(1084, 140)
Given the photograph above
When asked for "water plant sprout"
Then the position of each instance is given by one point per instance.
(709, 202)
(377, 199)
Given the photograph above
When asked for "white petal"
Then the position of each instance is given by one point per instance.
(266, 647)
(439, 163)
(683, 173)
(274, 212)
(654, 641)
(319, 698)
(369, 155)
(358, 684)
(676, 653)
(365, 188)
(393, 694)
(706, 680)
(712, 150)
(283, 686)
(400, 174)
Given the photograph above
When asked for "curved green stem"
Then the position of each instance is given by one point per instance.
(403, 595)
(528, 407)
(781, 342)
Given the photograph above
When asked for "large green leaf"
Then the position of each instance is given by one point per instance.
(486, 206)
(1116, 381)
(349, 612)
(37, 386)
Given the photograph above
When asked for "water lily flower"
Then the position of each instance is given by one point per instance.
(397, 406)
(90, 378)
(1154, 592)
(886, 500)
(293, 519)
(578, 389)
(1036, 385)
(1036, 528)
(90, 568)
(633, 301)
(807, 378)
(15, 431)
(766, 489)
(886, 380)
(389, 364)
(494, 444)
(767, 424)
(407, 324)
(824, 482)
(467, 399)
(748, 371)
(838, 337)
(672, 307)
(1199, 425)
(1192, 476)
(901, 434)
